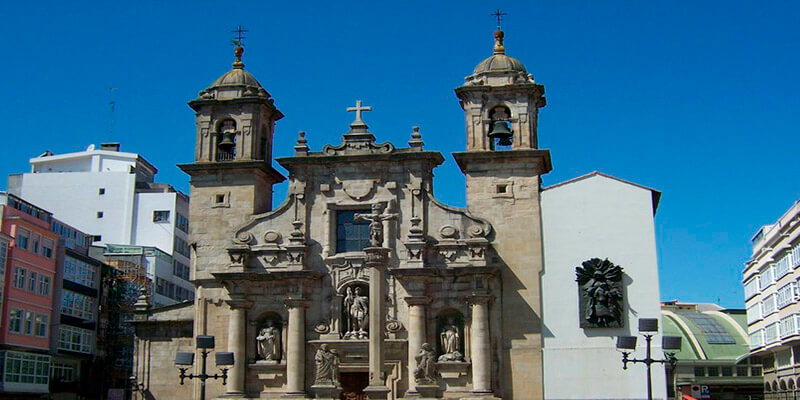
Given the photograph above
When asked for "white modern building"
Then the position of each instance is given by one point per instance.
(598, 216)
(771, 281)
(112, 196)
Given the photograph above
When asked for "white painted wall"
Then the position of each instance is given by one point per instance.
(149, 233)
(73, 197)
(605, 218)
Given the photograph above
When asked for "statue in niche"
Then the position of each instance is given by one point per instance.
(601, 302)
(357, 307)
(450, 340)
(426, 373)
(269, 342)
(375, 218)
(327, 366)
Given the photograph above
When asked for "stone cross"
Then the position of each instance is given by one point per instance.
(358, 109)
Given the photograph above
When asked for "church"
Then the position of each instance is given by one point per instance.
(362, 285)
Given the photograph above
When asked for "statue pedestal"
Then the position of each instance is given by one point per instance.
(429, 391)
(376, 392)
(328, 392)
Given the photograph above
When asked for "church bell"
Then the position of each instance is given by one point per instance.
(227, 141)
(501, 133)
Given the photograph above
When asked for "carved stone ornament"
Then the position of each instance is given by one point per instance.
(393, 326)
(327, 366)
(427, 372)
(268, 342)
(272, 237)
(601, 302)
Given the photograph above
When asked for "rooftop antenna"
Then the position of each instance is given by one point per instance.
(499, 15)
(238, 42)
(112, 105)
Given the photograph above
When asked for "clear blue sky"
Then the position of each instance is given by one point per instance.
(696, 99)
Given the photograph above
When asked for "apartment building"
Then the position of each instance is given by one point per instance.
(76, 297)
(112, 196)
(27, 311)
(771, 281)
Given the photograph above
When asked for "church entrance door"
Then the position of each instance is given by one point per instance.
(353, 385)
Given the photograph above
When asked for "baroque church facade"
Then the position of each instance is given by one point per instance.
(361, 285)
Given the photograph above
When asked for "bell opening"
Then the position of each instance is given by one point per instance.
(500, 132)
(226, 142)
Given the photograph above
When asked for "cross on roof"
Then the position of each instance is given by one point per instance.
(499, 15)
(358, 109)
(239, 35)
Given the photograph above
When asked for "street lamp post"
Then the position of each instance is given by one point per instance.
(648, 327)
(184, 360)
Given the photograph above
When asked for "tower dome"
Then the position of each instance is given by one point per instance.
(499, 61)
(499, 65)
(236, 83)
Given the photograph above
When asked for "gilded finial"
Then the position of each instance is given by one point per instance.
(239, 49)
(498, 34)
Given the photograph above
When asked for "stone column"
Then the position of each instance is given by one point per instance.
(296, 347)
(237, 343)
(480, 344)
(377, 258)
(416, 332)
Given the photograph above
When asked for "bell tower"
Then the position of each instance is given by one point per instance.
(503, 165)
(232, 174)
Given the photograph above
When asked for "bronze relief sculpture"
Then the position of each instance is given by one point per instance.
(601, 297)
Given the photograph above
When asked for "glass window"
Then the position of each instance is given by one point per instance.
(64, 372)
(161, 216)
(41, 325)
(75, 339)
(351, 235)
(181, 247)
(19, 277)
(755, 371)
(15, 320)
(36, 239)
(23, 238)
(44, 285)
(28, 323)
(727, 371)
(32, 282)
(47, 248)
(182, 223)
(713, 371)
(699, 371)
(180, 269)
(741, 371)
(77, 305)
(80, 272)
(26, 368)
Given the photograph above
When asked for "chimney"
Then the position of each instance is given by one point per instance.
(111, 146)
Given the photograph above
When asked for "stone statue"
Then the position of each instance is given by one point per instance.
(375, 218)
(450, 340)
(269, 342)
(601, 293)
(357, 307)
(327, 371)
(426, 373)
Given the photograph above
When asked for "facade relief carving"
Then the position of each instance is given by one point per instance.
(427, 373)
(601, 301)
(327, 366)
